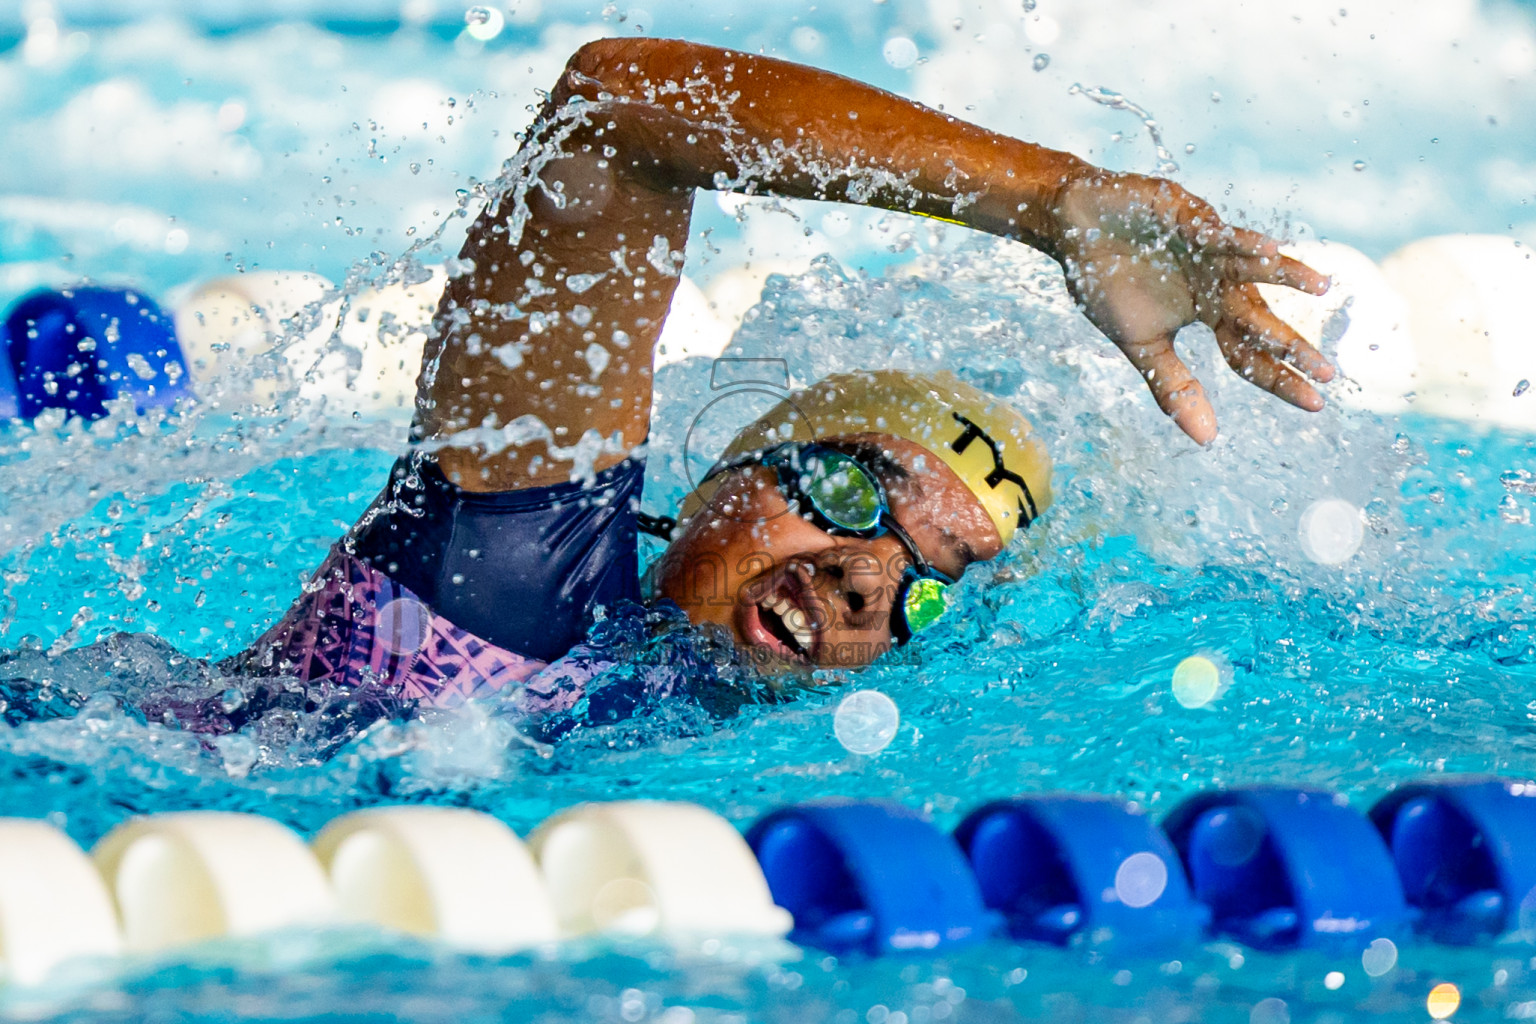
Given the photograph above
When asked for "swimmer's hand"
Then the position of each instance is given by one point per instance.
(1143, 258)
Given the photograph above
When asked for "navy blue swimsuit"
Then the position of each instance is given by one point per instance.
(522, 569)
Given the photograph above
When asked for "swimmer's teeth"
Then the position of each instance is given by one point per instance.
(798, 624)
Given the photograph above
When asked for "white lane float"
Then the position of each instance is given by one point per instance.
(228, 328)
(53, 904)
(193, 875)
(1469, 298)
(641, 866)
(365, 359)
(454, 874)
(251, 337)
(1362, 321)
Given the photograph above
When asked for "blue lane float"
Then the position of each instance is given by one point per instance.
(1060, 866)
(869, 876)
(1283, 868)
(80, 348)
(10, 397)
(1465, 851)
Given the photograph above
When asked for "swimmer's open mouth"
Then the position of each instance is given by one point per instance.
(781, 620)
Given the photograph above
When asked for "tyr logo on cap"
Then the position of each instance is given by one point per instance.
(999, 472)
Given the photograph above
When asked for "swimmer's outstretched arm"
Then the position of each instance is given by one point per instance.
(547, 342)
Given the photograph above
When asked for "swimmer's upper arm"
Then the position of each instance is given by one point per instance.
(541, 364)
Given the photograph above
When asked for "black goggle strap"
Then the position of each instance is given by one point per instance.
(922, 597)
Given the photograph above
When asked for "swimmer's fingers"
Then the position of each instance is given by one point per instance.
(1245, 268)
(1202, 229)
(1262, 369)
(1257, 325)
(1241, 254)
(1177, 391)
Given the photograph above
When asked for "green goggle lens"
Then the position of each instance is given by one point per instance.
(925, 602)
(841, 490)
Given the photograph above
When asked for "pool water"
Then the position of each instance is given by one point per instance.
(1352, 653)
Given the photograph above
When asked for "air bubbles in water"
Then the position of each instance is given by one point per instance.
(866, 722)
(1333, 980)
(1042, 61)
(1522, 388)
(1379, 957)
(1331, 531)
(899, 52)
(1359, 165)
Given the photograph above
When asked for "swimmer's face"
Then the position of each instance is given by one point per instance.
(799, 597)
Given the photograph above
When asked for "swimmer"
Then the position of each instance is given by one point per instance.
(832, 527)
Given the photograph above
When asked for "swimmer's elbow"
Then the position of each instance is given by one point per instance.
(595, 57)
(608, 65)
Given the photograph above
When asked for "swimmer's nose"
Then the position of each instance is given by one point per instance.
(852, 586)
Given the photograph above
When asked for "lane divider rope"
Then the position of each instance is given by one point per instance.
(1453, 859)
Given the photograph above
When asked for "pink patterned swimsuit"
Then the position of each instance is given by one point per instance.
(385, 612)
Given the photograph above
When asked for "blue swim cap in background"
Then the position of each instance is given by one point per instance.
(80, 348)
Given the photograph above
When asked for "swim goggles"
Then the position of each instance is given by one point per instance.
(842, 496)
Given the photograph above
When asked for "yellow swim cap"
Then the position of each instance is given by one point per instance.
(988, 444)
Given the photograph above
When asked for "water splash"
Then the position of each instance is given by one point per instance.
(1166, 165)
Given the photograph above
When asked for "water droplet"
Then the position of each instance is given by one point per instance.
(483, 23)
(1379, 957)
(404, 625)
(1029, 5)
(1189, 147)
(1331, 531)
(1140, 879)
(1042, 61)
(1522, 388)
(1270, 1011)
(1443, 1000)
(240, 754)
(1359, 165)
(866, 721)
(1196, 681)
(899, 52)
